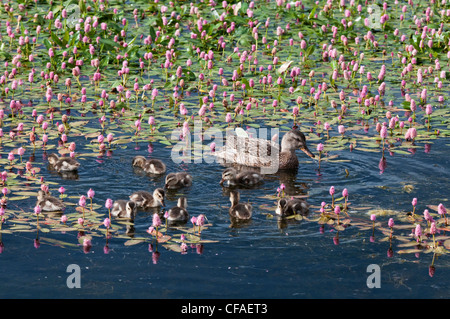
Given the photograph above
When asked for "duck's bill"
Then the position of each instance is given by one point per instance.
(308, 152)
(221, 181)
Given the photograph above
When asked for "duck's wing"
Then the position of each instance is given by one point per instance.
(254, 152)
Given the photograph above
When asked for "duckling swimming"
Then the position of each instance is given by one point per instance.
(239, 210)
(152, 166)
(124, 209)
(179, 214)
(48, 203)
(178, 180)
(145, 200)
(231, 177)
(63, 164)
(293, 206)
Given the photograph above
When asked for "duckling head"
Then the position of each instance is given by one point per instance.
(294, 139)
(52, 159)
(170, 179)
(158, 195)
(131, 209)
(281, 205)
(228, 175)
(139, 161)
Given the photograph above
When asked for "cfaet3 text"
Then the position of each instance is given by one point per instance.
(230, 308)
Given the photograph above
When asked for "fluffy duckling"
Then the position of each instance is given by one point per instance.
(48, 203)
(231, 177)
(63, 164)
(179, 214)
(146, 200)
(153, 166)
(239, 210)
(178, 180)
(293, 206)
(124, 209)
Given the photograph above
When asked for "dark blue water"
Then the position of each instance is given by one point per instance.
(261, 259)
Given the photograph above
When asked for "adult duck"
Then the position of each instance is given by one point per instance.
(257, 152)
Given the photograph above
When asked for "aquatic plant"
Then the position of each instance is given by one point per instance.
(84, 86)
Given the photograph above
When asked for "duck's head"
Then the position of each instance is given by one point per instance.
(131, 208)
(158, 195)
(139, 161)
(52, 159)
(228, 174)
(293, 140)
(182, 202)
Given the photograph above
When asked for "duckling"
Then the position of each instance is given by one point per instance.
(153, 166)
(146, 200)
(179, 214)
(63, 164)
(124, 209)
(48, 203)
(246, 178)
(293, 206)
(239, 210)
(178, 180)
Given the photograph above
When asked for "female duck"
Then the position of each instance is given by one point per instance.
(293, 206)
(152, 166)
(178, 180)
(258, 152)
(48, 203)
(145, 200)
(239, 210)
(124, 209)
(63, 164)
(231, 177)
(179, 214)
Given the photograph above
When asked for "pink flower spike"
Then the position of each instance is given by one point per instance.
(107, 222)
(391, 222)
(109, 203)
(345, 192)
(37, 209)
(332, 190)
(90, 193)
(156, 222)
